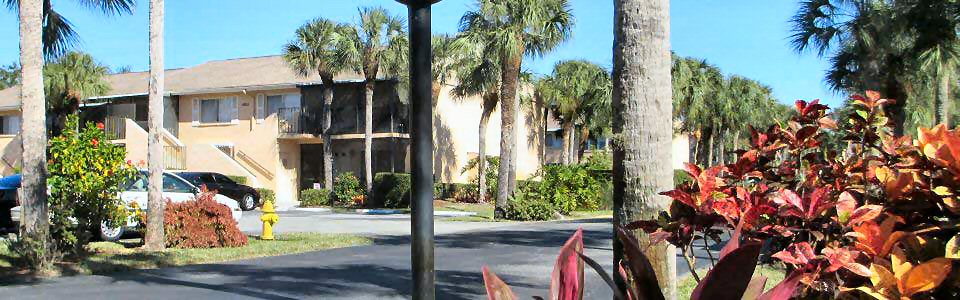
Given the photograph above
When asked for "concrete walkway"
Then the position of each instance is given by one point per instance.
(374, 225)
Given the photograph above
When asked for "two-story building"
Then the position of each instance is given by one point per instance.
(256, 118)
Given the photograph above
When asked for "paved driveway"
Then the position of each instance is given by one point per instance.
(523, 254)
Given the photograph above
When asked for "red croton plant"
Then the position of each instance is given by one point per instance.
(876, 220)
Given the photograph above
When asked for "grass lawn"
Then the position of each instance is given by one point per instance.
(687, 283)
(106, 257)
(484, 211)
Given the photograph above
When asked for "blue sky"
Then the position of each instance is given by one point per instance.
(745, 37)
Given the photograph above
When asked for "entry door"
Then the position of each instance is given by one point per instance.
(311, 165)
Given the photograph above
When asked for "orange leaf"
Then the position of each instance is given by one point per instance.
(924, 277)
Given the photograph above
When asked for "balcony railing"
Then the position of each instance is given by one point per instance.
(174, 157)
(295, 120)
(115, 127)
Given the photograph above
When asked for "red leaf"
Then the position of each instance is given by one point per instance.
(797, 254)
(496, 288)
(644, 276)
(731, 276)
(566, 282)
(784, 290)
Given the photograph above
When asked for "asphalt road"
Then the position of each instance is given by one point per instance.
(522, 254)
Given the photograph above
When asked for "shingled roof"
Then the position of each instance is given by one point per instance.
(252, 73)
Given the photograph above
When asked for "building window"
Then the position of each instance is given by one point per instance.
(555, 139)
(217, 110)
(9, 125)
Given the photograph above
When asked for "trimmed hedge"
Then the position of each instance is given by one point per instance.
(391, 190)
(314, 197)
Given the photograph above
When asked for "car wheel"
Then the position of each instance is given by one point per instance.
(248, 202)
(110, 234)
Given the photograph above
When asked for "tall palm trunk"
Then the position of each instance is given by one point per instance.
(368, 136)
(736, 144)
(723, 148)
(642, 116)
(154, 238)
(326, 123)
(695, 159)
(509, 104)
(944, 104)
(710, 148)
(482, 154)
(35, 228)
(435, 89)
(565, 156)
(543, 133)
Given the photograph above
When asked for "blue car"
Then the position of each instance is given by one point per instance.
(8, 200)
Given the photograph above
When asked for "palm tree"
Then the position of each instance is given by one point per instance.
(577, 91)
(68, 80)
(513, 29)
(867, 47)
(938, 45)
(478, 74)
(58, 33)
(35, 227)
(319, 47)
(378, 47)
(154, 239)
(9, 75)
(641, 105)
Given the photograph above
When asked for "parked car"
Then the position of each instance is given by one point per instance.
(8, 199)
(175, 189)
(247, 197)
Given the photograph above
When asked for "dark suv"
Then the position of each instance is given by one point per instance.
(247, 197)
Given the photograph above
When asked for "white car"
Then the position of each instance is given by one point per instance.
(175, 189)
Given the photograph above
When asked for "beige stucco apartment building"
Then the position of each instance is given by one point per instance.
(254, 117)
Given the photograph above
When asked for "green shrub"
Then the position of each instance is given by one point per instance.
(439, 190)
(391, 190)
(314, 197)
(465, 192)
(86, 173)
(571, 188)
(599, 160)
(238, 179)
(528, 206)
(267, 195)
(493, 165)
(346, 187)
(681, 177)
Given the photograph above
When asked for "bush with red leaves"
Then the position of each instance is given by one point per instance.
(201, 223)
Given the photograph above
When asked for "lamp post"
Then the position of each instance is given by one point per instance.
(421, 147)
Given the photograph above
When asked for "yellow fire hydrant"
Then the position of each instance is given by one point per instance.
(269, 217)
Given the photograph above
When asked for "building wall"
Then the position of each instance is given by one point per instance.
(456, 138)
(257, 149)
(10, 148)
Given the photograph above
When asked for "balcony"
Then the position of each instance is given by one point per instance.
(174, 158)
(296, 122)
(115, 127)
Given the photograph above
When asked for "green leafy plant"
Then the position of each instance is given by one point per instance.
(572, 187)
(86, 173)
(201, 223)
(529, 207)
(267, 195)
(314, 197)
(681, 177)
(599, 160)
(492, 167)
(392, 190)
(346, 188)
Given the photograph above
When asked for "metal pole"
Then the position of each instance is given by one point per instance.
(421, 146)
